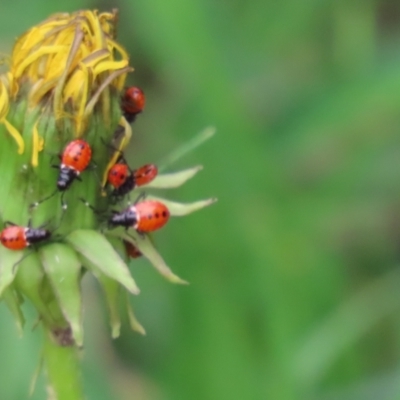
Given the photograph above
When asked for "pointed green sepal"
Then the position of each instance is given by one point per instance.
(63, 268)
(14, 305)
(190, 145)
(93, 246)
(35, 376)
(112, 290)
(29, 280)
(133, 322)
(174, 179)
(9, 262)
(180, 209)
(147, 248)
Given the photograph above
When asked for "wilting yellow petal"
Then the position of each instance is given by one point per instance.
(108, 22)
(68, 63)
(15, 135)
(34, 56)
(109, 66)
(4, 101)
(112, 44)
(95, 27)
(37, 147)
(11, 83)
(95, 58)
(127, 132)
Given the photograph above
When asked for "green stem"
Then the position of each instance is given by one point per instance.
(63, 370)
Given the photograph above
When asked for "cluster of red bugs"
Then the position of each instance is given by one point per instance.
(143, 216)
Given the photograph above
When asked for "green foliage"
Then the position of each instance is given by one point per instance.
(293, 272)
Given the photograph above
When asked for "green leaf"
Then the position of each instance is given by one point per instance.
(13, 303)
(35, 376)
(63, 268)
(174, 179)
(112, 290)
(9, 261)
(97, 249)
(133, 322)
(181, 209)
(29, 279)
(144, 244)
(187, 147)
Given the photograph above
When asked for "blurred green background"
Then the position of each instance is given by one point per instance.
(295, 280)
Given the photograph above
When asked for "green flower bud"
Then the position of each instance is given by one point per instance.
(64, 83)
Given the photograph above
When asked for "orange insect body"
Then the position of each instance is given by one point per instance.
(133, 102)
(124, 181)
(145, 174)
(75, 159)
(146, 216)
(77, 155)
(20, 237)
(151, 215)
(118, 174)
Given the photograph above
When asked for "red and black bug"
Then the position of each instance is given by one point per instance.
(132, 102)
(74, 160)
(144, 175)
(118, 175)
(146, 216)
(124, 180)
(15, 237)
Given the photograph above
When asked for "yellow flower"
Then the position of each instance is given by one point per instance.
(67, 66)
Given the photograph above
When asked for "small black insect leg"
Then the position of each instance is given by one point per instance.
(93, 168)
(9, 223)
(141, 196)
(20, 260)
(64, 205)
(37, 203)
(121, 154)
(87, 204)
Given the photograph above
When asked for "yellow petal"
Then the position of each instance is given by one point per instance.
(37, 147)
(4, 101)
(109, 66)
(15, 135)
(34, 56)
(127, 131)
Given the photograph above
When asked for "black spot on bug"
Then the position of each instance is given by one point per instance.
(157, 215)
(164, 213)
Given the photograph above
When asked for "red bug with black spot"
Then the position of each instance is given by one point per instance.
(124, 180)
(74, 160)
(132, 102)
(15, 237)
(146, 216)
(144, 175)
(118, 175)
